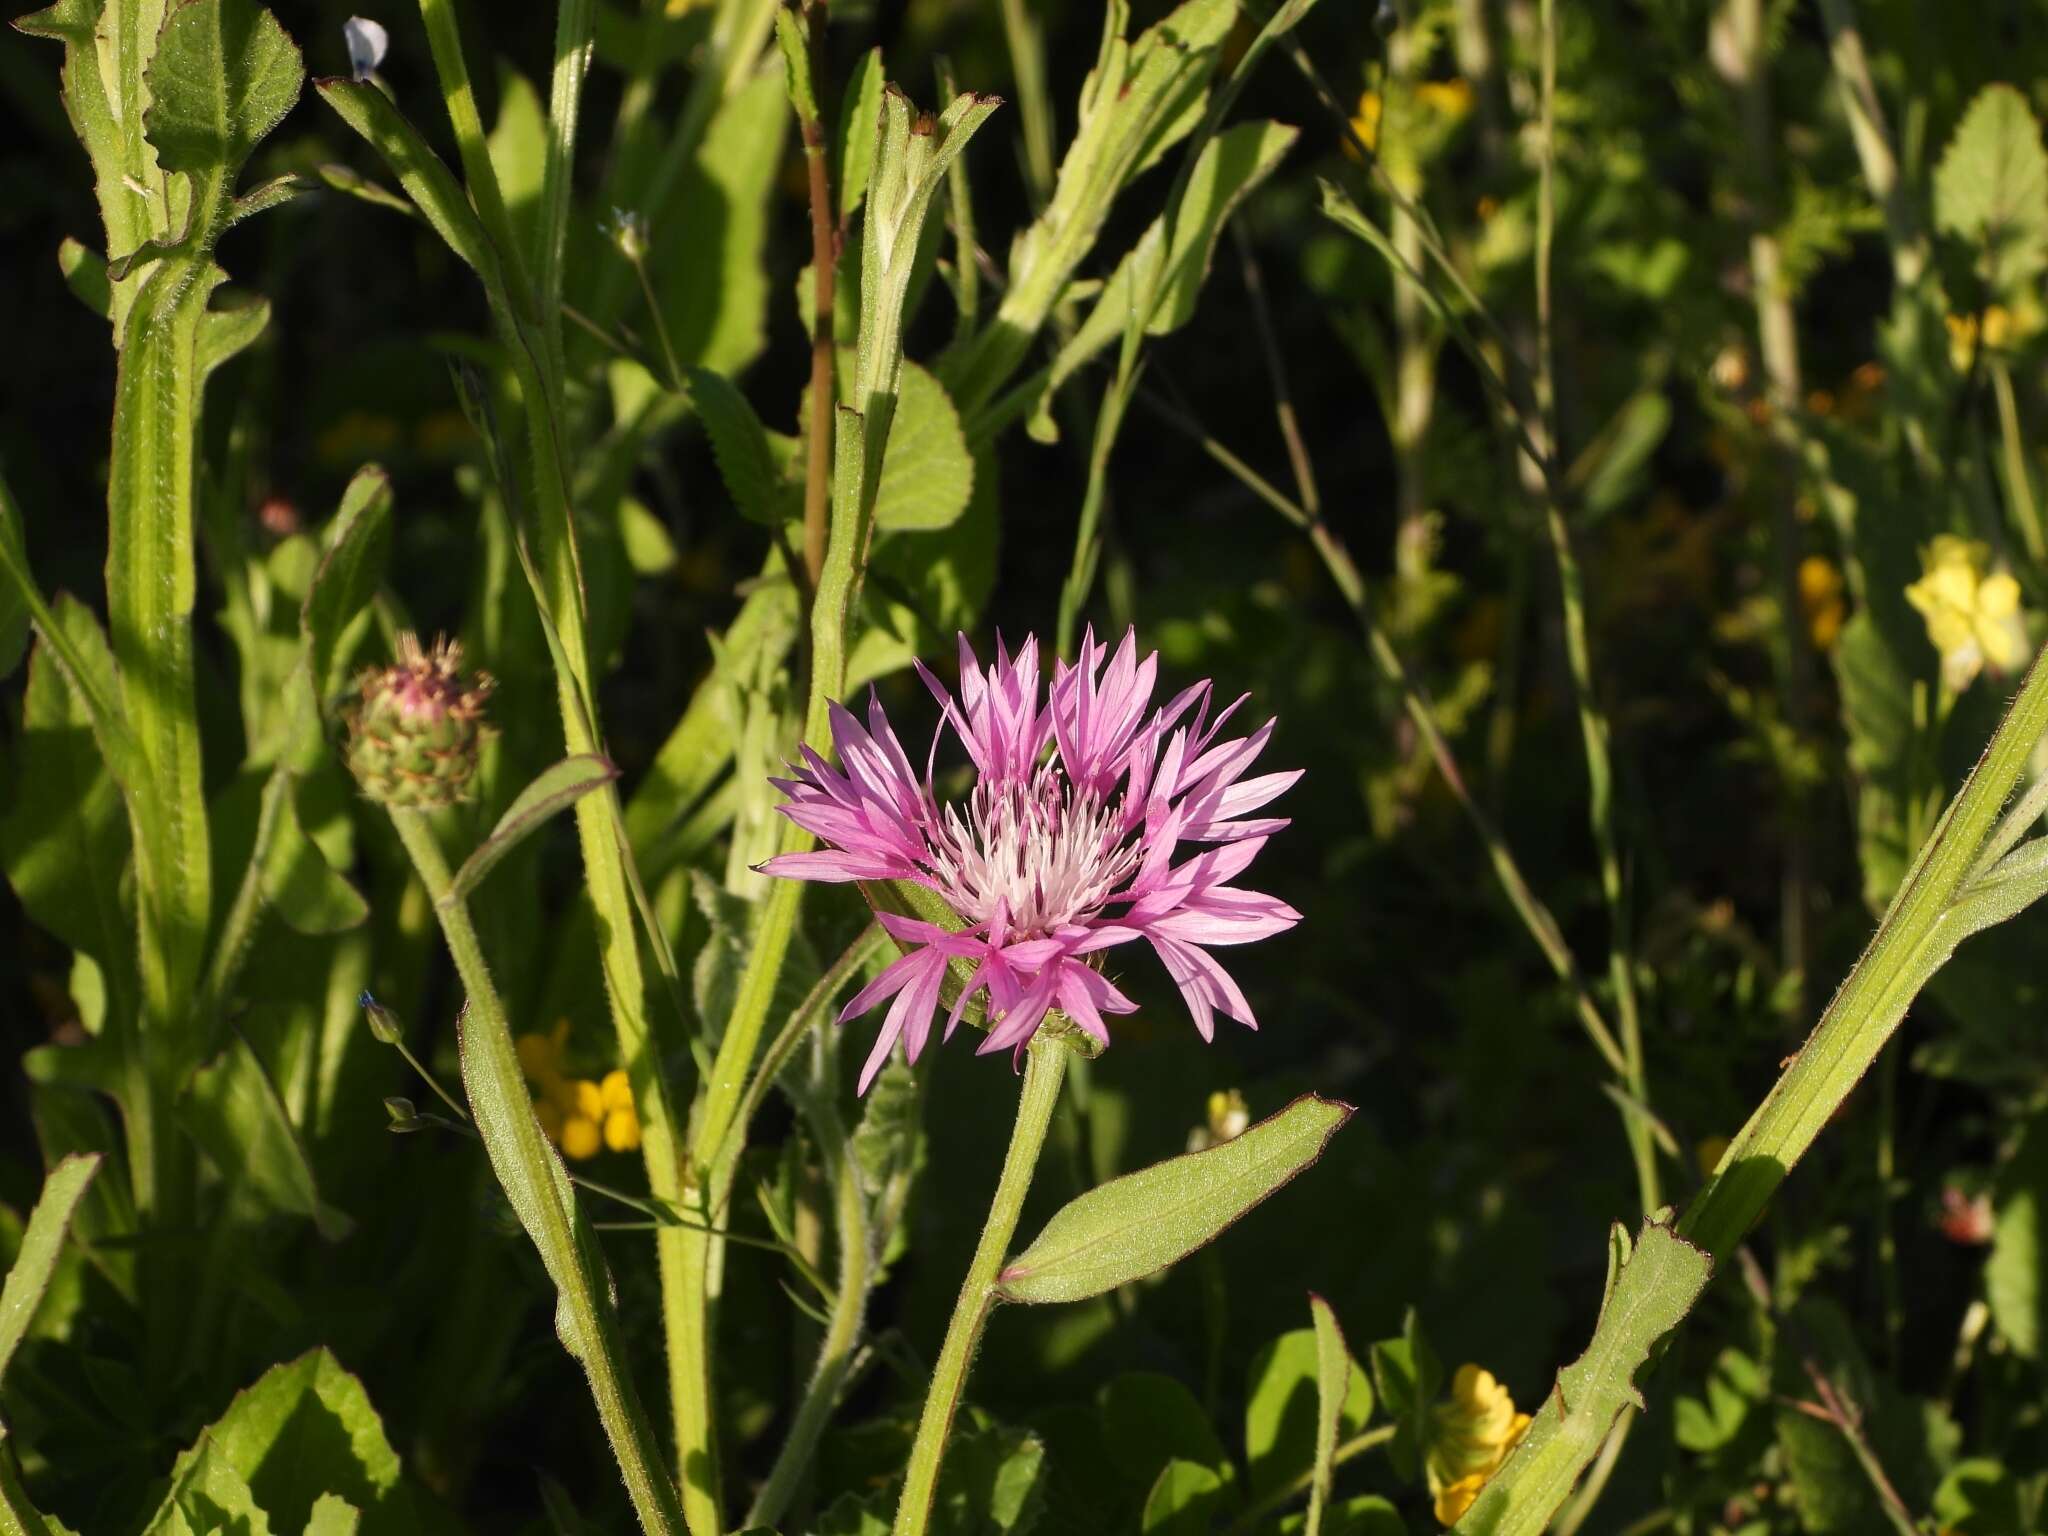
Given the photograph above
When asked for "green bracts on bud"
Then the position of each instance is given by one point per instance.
(417, 727)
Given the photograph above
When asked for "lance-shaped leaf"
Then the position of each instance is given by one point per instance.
(234, 1112)
(1649, 1289)
(1139, 1224)
(431, 185)
(41, 1243)
(1333, 1383)
(554, 789)
(1156, 287)
(308, 892)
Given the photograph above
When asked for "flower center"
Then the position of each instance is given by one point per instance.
(1038, 851)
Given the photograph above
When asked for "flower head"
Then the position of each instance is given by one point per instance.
(1470, 1435)
(1973, 616)
(1063, 848)
(416, 727)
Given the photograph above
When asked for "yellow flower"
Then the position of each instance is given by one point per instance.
(1452, 1503)
(1227, 1119)
(1366, 121)
(621, 1121)
(1445, 98)
(1470, 1435)
(579, 1137)
(1973, 615)
(1820, 601)
(1994, 329)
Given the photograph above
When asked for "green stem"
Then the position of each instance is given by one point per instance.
(1087, 539)
(836, 1353)
(1592, 726)
(1045, 1066)
(1910, 944)
(2019, 488)
(534, 1180)
(1288, 1492)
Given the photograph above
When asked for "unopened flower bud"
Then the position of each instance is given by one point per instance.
(417, 727)
(404, 1115)
(383, 1022)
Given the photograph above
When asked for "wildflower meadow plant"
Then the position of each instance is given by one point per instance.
(1062, 849)
(782, 387)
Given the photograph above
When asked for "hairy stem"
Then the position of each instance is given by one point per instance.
(1045, 1066)
(533, 1179)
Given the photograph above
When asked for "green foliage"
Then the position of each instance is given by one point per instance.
(1991, 188)
(1139, 1224)
(1282, 1414)
(2019, 1253)
(35, 1255)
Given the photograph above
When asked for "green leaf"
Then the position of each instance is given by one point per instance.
(1409, 1376)
(927, 474)
(224, 74)
(1610, 468)
(709, 246)
(233, 1110)
(305, 1436)
(885, 1142)
(351, 568)
(2013, 1275)
(1991, 187)
(860, 116)
(1154, 287)
(553, 790)
(425, 177)
(64, 835)
(306, 891)
(746, 463)
(1651, 1286)
(1186, 1500)
(1149, 1420)
(85, 274)
(333, 1516)
(518, 146)
(1980, 1497)
(792, 36)
(41, 1243)
(1829, 1488)
(992, 1484)
(1139, 1224)
(1281, 1409)
(1334, 1372)
(208, 1497)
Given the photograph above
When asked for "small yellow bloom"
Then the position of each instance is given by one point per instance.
(580, 1137)
(615, 1091)
(1445, 98)
(1366, 121)
(589, 1099)
(1820, 601)
(1973, 615)
(1452, 1503)
(1470, 1435)
(1994, 331)
(622, 1130)
(621, 1120)
(1227, 1119)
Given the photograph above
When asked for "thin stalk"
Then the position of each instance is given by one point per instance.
(444, 39)
(837, 1352)
(1027, 63)
(1891, 1307)
(1045, 1065)
(1087, 534)
(824, 270)
(2012, 826)
(1279, 1498)
(1343, 571)
(238, 930)
(1739, 49)
(1910, 944)
(1847, 1417)
(2019, 483)
(1592, 726)
(1873, 139)
(534, 1181)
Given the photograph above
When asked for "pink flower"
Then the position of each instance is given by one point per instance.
(1063, 849)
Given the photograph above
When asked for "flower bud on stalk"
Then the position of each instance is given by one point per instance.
(417, 728)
